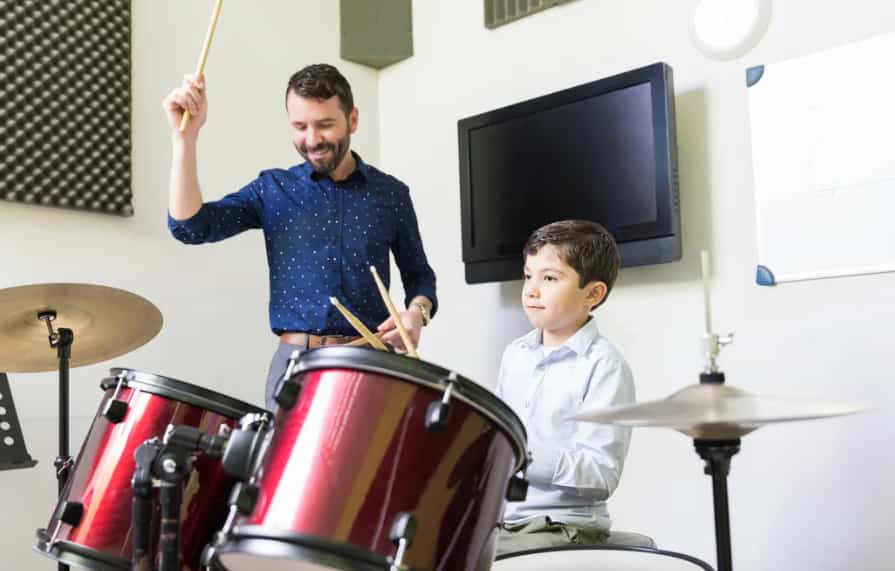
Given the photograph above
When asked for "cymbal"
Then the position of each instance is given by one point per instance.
(715, 411)
(106, 322)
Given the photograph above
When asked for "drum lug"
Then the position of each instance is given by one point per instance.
(287, 393)
(439, 411)
(115, 410)
(401, 535)
(71, 513)
(517, 489)
(244, 497)
(243, 445)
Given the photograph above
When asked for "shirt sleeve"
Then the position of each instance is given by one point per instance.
(501, 374)
(220, 219)
(416, 274)
(591, 464)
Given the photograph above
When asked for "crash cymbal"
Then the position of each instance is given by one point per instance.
(106, 322)
(715, 411)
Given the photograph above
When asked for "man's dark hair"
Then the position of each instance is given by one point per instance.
(584, 245)
(321, 81)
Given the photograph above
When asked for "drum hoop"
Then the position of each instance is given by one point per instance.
(638, 548)
(180, 391)
(75, 554)
(415, 370)
(326, 550)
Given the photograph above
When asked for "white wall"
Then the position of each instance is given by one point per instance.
(213, 298)
(813, 495)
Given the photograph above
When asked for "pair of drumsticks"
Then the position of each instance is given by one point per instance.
(368, 336)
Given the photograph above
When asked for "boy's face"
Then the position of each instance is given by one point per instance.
(551, 297)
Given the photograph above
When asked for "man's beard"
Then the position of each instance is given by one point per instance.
(339, 150)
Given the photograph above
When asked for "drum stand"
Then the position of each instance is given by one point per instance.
(169, 461)
(61, 340)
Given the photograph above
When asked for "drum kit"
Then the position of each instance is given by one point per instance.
(372, 460)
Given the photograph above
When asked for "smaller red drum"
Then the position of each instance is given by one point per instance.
(382, 460)
(91, 526)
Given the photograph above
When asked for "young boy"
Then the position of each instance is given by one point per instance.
(561, 367)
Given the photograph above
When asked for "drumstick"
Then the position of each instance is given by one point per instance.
(203, 57)
(394, 313)
(363, 340)
(359, 325)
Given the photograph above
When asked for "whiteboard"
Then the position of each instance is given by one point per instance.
(823, 152)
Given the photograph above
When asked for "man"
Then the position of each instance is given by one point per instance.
(325, 221)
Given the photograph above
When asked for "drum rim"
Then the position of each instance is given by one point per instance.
(604, 547)
(408, 368)
(71, 553)
(180, 390)
(325, 549)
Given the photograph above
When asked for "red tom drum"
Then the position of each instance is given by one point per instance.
(378, 447)
(91, 526)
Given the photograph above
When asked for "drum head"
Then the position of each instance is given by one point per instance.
(420, 372)
(180, 391)
(599, 558)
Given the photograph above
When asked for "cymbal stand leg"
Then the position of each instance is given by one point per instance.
(717, 455)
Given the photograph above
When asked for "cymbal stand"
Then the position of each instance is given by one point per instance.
(61, 339)
(716, 453)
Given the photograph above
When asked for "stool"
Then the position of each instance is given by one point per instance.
(629, 539)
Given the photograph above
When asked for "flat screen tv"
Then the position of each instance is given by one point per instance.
(603, 151)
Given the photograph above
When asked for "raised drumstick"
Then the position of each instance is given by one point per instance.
(359, 325)
(387, 299)
(203, 57)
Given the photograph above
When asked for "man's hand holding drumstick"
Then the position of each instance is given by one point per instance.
(187, 109)
(412, 319)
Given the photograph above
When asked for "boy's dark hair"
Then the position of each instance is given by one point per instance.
(321, 81)
(584, 245)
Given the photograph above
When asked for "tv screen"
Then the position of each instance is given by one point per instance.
(603, 151)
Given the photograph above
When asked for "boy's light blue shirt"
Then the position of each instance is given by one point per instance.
(575, 465)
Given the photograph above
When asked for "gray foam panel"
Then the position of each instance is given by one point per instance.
(65, 104)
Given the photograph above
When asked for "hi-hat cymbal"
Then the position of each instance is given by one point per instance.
(715, 412)
(106, 322)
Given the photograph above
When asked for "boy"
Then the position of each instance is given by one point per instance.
(565, 365)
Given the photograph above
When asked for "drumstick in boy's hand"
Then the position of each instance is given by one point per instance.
(359, 325)
(387, 299)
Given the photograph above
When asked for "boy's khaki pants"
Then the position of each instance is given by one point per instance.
(542, 532)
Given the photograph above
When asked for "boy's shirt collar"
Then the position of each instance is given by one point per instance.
(577, 343)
